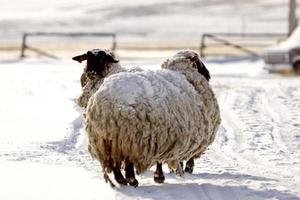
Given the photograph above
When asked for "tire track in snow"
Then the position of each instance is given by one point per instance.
(261, 129)
(289, 100)
(251, 125)
(234, 105)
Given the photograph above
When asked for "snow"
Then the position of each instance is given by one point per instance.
(292, 42)
(43, 148)
(28, 99)
(49, 182)
(129, 88)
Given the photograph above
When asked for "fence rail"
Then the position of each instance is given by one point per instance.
(25, 37)
(247, 43)
(217, 44)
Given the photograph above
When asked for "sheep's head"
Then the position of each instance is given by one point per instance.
(98, 60)
(194, 57)
(99, 64)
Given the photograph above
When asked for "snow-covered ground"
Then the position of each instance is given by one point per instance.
(43, 152)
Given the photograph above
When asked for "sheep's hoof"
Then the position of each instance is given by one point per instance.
(179, 172)
(189, 169)
(107, 179)
(122, 181)
(132, 182)
(159, 178)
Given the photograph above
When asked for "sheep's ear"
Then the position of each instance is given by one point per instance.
(111, 59)
(80, 58)
(203, 70)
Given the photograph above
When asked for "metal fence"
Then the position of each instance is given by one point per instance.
(25, 46)
(230, 44)
(211, 44)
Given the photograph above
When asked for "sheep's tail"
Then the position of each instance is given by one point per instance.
(107, 179)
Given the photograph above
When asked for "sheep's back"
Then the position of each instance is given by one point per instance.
(147, 116)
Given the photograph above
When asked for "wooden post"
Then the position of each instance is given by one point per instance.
(114, 45)
(292, 16)
(202, 46)
(23, 46)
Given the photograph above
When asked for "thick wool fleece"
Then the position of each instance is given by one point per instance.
(149, 116)
(92, 82)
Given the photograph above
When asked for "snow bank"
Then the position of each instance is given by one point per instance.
(38, 99)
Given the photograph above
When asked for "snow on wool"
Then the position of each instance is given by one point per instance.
(150, 116)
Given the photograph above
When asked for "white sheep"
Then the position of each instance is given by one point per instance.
(141, 118)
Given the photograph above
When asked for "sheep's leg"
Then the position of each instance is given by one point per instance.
(129, 174)
(159, 174)
(176, 167)
(189, 166)
(107, 179)
(118, 175)
(179, 170)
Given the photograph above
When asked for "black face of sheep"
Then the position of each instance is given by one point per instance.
(202, 69)
(97, 60)
(194, 57)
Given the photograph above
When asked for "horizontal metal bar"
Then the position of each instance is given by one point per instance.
(77, 34)
(41, 52)
(249, 45)
(59, 34)
(235, 46)
(247, 34)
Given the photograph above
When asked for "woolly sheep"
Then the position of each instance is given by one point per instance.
(141, 118)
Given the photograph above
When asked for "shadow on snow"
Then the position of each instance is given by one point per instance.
(202, 191)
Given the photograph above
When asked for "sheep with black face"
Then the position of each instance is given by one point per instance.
(96, 58)
(142, 118)
(101, 64)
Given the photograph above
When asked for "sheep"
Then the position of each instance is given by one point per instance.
(101, 63)
(142, 118)
(203, 71)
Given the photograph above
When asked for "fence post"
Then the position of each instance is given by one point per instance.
(114, 46)
(202, 46)
(292, 16)
(24, 45)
